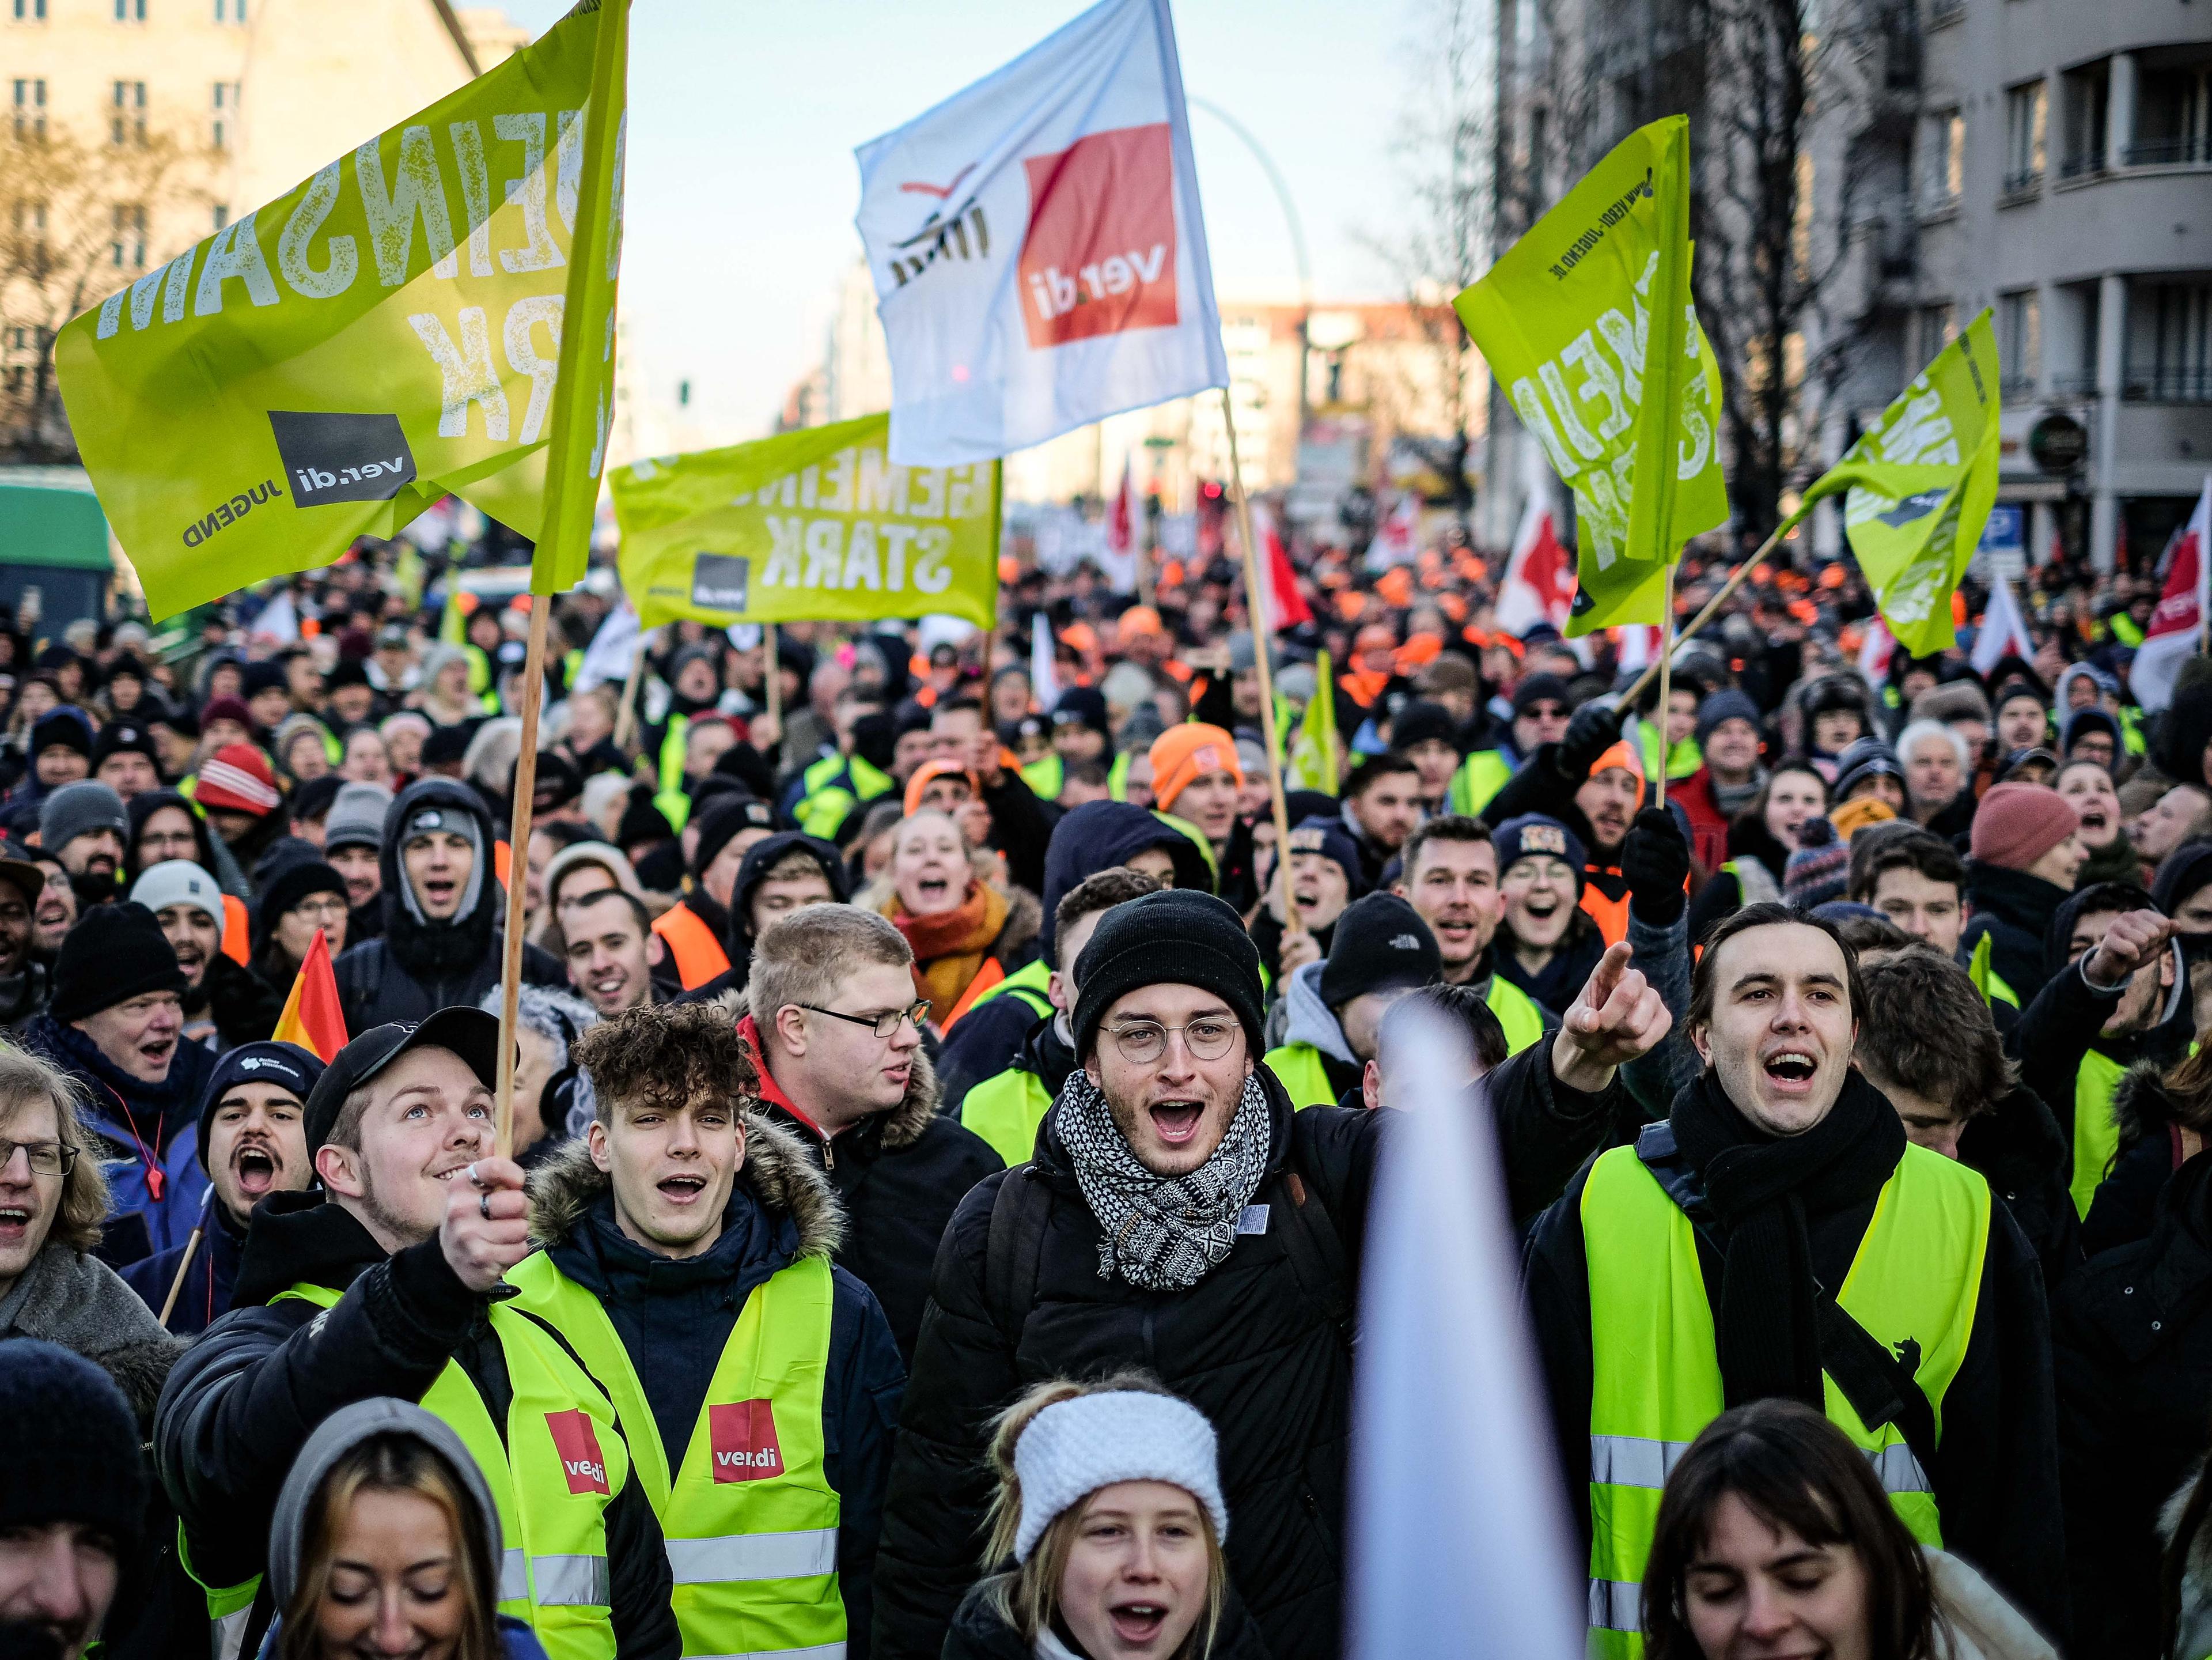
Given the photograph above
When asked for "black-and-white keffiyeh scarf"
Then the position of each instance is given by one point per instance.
(1162, 1233)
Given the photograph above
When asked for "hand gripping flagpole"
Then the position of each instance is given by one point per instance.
(1262, 647)
(518, 868)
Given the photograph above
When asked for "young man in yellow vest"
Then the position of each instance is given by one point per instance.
(1450, 877)
(382, 1283)
(1006, 1110)
(687, 1262)
(2120, 1001)
(1778, 1236)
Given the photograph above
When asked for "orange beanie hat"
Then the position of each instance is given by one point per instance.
(926, 773)
(1182, 755)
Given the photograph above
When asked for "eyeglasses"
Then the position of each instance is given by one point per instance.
(328, 909)
(885, 1024)
(48, 1157)
(1143, 1042)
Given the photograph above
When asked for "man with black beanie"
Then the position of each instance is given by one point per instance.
(1541, 704)
(72, 1506)
(1827, 1261)
(695, 927)
(116, 1021)
(1179, 1207)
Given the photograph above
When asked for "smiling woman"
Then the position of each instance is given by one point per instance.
(959, 925)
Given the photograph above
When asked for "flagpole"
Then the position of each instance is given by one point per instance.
(185, 1265)
(626, 715)
(1262, 647)
(1666, 682)
(774, 679)
(1713, 606)
(517, 870)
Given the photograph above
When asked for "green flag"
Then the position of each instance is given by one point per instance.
(1582, 316)
(328, 365)
(1316, 761)
(1920, 483)
(814, 525)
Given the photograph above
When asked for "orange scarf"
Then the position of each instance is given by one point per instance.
(949, 946)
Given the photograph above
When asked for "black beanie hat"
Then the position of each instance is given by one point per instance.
(1381, 944)
(1547, 688)
(292, 884)
(1178, 937)
(729, 814)
(1419, 721)
(287, 1066)
(82, 1462)
(113, 953)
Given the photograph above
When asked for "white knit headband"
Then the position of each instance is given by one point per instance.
(1073, 1447)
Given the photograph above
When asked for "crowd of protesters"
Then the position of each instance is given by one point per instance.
(943, 1137)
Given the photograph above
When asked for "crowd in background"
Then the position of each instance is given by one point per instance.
(800, 988)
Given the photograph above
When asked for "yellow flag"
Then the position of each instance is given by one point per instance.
(432, 311)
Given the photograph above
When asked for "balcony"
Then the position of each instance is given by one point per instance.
(2194, 150)
(2020, 187)
(2079, 386)
(2088, 165)
(2167, 386)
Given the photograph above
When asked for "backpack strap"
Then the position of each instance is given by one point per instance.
(1015, 1249)
(1881, 1387)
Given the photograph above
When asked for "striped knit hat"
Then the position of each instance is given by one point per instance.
(237, 778)
(1821, 868)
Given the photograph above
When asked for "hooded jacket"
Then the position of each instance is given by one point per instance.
(244, 1400)
(147, 1134)
(675, 1319)
(2151, 1122)
(1308, 1020)
(899, 1175)
(418, 966)
(1996, 1474)
(1248, 1345)
(2132, 1342)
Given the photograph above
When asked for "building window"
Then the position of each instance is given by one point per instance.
(127, 123)
(30, 11)
(128, 246)
(2020, 342)
(2173, 116)
(225, 111)
(2025, 112)
(2088, 100)
(1934, 327)
(30, 110)
(222, 215)
(1943, 177)
(2170, 342)
(230, 11)
(129, 12)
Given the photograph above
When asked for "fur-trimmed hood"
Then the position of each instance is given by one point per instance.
(901, 1127)
(776, 1172)
(2142, 1105)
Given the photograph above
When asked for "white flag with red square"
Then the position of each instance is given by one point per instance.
(2178, 623)
(1037, 246)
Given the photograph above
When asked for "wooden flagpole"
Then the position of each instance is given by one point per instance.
(626, 715)
(1262, 647)
(517, 869)
(1713, 606)
(1665, 682)
(184, 1264)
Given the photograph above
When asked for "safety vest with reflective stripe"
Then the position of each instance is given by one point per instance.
(1987, 981)
(1046, 776)
(675, 805)
(552, 1475)
(1480, 777)
(699, 956)
(750, 1516)
(832, 788)
(1297, 1068)
(2096, 1135)
(1028, 982)
(1655, 1376)
(1006, 1110)
(1517, 1011)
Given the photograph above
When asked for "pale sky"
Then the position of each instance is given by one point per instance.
(744, 114)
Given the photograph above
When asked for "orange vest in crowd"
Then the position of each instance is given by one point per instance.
(1611, 915)
(699, 956)
(237, 930)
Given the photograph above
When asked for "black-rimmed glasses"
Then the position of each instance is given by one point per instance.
(885, 1024)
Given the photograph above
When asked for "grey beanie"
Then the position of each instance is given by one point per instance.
(79, 809)
(356, 818)
(177, 882)
(338, 1435)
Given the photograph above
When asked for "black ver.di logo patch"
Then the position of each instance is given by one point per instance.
(343, 458)
(720, 580)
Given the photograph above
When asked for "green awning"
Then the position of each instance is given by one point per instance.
(52, 525)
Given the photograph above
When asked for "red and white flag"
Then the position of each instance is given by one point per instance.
(1539, 583)
(1125, 518)
(2003, 630)
(1044, 669)
(1037, 245)
(1280, 602)
(1398, 539)
(2178, 623)
(1876, 651)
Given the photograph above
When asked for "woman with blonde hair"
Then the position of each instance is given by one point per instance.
(1109, 1507)
(384, 1541)
(960, 926)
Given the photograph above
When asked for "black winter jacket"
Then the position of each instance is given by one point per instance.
(417, 968)
(244, 1399)
(2015, 909)
(1247, 1345)
(898, 1175)
(2132, 1336)
(675, 1319)
(208, 1278)
(1997, 1471)
(2019, 1150)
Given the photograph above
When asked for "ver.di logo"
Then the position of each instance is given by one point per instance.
(343, 458)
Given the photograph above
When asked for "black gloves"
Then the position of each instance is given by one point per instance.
(1655, 861)
(1593, 730)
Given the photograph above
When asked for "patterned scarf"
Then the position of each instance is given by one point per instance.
(1162, 1233)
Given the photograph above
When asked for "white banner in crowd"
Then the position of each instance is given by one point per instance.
(608, 657)
(1037, 245)
(2178, 624)
(2004, 629)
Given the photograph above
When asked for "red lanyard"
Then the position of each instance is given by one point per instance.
(156, 1179)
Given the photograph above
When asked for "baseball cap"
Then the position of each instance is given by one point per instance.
(472, 1034)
